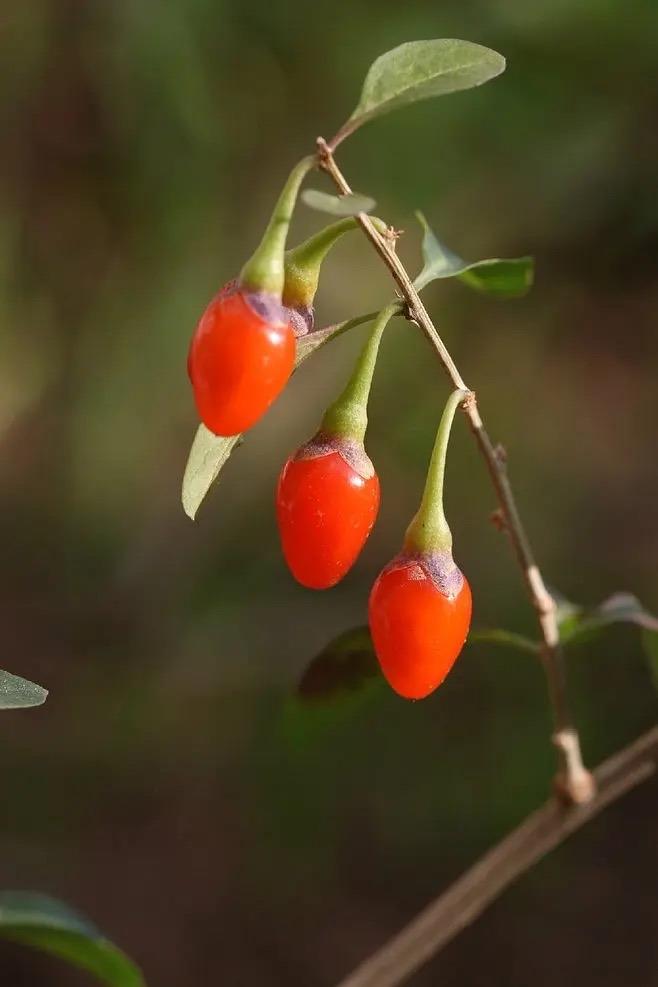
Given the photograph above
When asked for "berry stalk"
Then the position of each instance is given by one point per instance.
(347, 417)
(303, 263)
(429, 531)
(265, 271)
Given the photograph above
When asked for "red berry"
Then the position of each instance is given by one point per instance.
(420, 613)
(241, 356)
(327, 500)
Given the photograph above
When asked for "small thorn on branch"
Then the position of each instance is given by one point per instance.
(497, 518)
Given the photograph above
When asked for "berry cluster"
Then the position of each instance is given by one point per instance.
(328, 493)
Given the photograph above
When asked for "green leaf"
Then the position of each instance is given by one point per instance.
(567, 614)
(18, 693)
(209, 452)
(420, 70)
(577, 625)
(39, 921)
(348, 664)
(336, 686)
(308, 344)
(504, 277)
(338, 205)
(345, 665)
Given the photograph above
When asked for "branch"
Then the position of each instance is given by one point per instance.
(573, 780)
(475, 890)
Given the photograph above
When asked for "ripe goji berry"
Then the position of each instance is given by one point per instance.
(327, 500)
(328, 493)
(420, 605)
(243, 349)
(240, 359)
(419, 614)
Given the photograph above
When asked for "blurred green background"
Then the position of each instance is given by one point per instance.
(170, 787)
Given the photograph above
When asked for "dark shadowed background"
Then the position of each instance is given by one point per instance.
(170, 787)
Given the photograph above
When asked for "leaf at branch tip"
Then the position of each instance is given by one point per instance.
(504, 277)
(39, 921)
(420, 70)
(338, 205)
(18, 693)
(210, 453)
(346, 665)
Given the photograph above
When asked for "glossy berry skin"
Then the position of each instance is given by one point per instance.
(325, 510)
(417, 630)
(241, 356)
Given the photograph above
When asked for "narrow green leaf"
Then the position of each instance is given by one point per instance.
(307, 345)
(18, 693)
(504, 277)
(619, 608)
(336, 685)
(567, 614)
(578, 625)
(506, 638)
(209, 452)
(39, 921)
(345, 665)
(420, 70)
(338, 205)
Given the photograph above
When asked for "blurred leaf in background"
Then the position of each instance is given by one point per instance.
(39, 921)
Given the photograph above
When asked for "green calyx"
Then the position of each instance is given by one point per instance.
(347, 417)
(303, 263)
(264, 271)
(429, 531)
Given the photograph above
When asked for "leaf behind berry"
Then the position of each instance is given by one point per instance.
(345, 665)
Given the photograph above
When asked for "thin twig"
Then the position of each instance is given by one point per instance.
(573, 781)
(469, 896)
